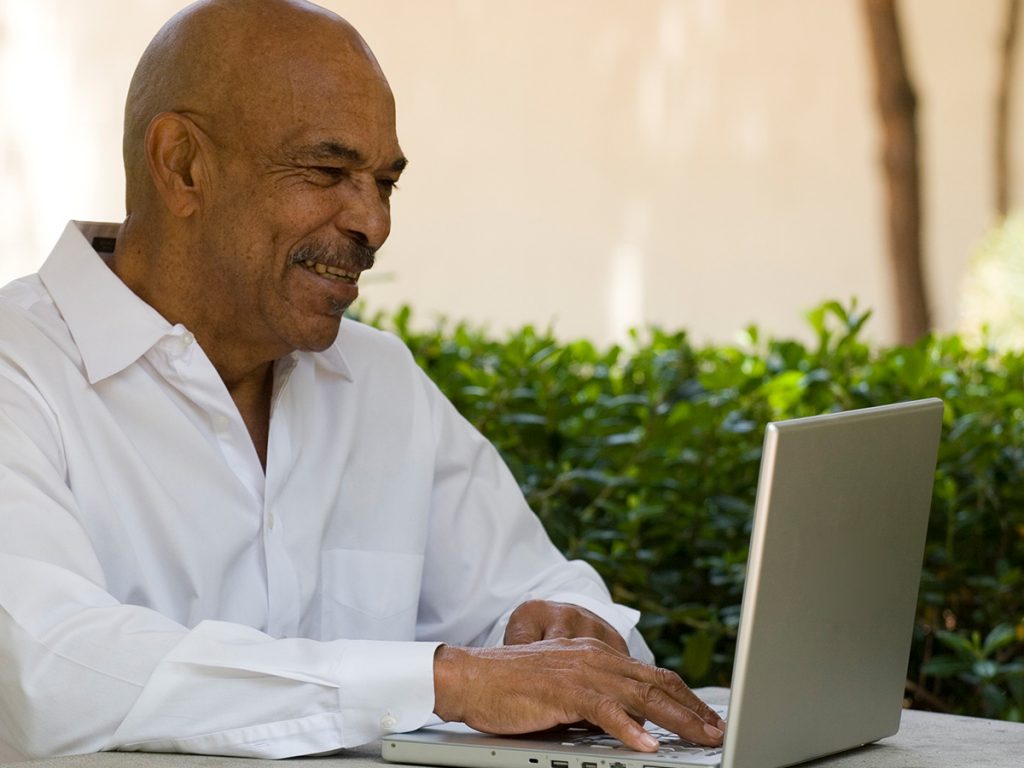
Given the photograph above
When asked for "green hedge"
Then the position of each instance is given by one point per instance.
(644, 462)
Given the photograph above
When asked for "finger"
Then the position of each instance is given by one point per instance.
(572, 621)
(661, 708)
(612, 718)
(672, 684)
(522, 629)
(616, 641)
(658, 695)
(588, 628)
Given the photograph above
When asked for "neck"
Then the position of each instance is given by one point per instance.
(152, 266)
(159, 269)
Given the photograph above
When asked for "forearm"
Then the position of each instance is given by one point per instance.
(83, 673)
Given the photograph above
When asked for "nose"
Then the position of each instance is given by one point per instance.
(364, 212)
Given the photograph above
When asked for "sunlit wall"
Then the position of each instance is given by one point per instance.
(592, 164)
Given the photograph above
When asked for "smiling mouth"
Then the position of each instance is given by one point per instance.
(330, 272)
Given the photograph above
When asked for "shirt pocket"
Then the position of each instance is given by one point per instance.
(369, 594)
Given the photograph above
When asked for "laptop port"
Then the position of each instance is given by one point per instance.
(589, 765)
(559, 764)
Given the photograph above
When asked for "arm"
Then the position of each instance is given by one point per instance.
(487, 553)
(565, 656)
(84, 671)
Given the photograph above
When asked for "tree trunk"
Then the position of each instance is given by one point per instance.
(897, 106)
(1005, 88)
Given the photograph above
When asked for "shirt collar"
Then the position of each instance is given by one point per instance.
(111, 326)
(332, 359)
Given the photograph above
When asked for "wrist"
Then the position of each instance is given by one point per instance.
(449, 690)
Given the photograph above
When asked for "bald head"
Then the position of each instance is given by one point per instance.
(260, 152)
(232, 66)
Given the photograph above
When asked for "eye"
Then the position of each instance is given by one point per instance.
(386, 187)
(330, 172)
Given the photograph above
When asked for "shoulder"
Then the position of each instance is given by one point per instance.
(30, 324)
(23, 297)
(35, 349)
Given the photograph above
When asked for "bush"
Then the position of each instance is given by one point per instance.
(644, 462)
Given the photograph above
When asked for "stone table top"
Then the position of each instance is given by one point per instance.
(925, 740)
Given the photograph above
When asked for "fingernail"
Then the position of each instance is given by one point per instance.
(711, 731)
(649, 741)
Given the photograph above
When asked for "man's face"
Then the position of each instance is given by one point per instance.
(299, 204)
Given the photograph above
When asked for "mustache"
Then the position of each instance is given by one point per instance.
(350, 255)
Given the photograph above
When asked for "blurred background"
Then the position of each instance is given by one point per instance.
(595, 164)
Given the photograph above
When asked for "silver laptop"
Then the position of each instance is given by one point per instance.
(828, 607)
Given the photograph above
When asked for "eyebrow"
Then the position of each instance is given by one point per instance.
(335, 150)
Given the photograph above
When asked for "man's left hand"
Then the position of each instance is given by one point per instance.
(544, 620)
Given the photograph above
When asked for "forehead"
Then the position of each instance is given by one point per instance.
(333, 115)
(337, 96)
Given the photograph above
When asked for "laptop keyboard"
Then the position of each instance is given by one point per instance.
(671, 744)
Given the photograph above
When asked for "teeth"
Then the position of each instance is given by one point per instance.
(329, 271)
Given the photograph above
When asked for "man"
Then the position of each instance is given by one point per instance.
(232, 523)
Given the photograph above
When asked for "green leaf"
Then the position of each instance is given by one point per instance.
(985, 669)
(697, 656)
(625, 438)
(530, 419)
(1000, 637)
(960, 644)
(945, 666)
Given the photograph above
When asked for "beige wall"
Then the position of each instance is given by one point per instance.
(589, 163)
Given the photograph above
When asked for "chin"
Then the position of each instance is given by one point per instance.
(316, 344)
(320, 338)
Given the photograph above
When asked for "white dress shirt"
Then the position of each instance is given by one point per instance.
(159, 591)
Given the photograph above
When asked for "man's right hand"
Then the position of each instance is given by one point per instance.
(523, 688)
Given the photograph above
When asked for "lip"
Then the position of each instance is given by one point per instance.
(345, 273)
(341, 291)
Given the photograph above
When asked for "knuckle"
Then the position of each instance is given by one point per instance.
(666, 678)
(594, 647)
(647, 694)
(525, 608)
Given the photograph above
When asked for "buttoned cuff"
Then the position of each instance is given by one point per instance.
(386, 686)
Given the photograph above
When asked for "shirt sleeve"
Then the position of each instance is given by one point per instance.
(488, 553)
(82, 672)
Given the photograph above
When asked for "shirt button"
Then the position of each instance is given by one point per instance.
(188, 338)
(388, 723)
(270, 521)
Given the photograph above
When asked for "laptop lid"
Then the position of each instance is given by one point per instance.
(828, 605)
(832, 581)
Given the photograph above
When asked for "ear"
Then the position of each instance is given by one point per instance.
(173, 154)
